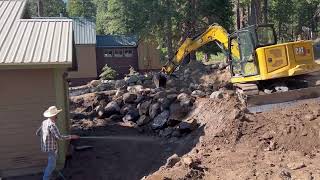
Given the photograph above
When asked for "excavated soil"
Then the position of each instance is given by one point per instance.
(280, 144)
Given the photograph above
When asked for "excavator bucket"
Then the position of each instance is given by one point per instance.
(160, 80)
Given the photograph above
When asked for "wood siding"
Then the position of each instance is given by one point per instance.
(24, 95)
(149, 56)
(86, 59)
(120, 64)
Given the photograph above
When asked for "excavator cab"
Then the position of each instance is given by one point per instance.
(247, 41)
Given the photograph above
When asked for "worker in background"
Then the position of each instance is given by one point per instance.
(50, 134)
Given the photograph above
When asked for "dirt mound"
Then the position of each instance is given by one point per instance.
(280, 144)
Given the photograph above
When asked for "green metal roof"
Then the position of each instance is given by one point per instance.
(116, 41)
(84, 31)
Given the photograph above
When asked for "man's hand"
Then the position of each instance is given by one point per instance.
(74, 137)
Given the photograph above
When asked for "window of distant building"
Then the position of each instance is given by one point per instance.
(108, 53)
(118, 53)
(128, 53)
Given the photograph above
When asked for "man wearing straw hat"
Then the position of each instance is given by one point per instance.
(50, 134)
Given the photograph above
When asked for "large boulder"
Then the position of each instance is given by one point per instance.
(100, 111)
(144, 107)
(126, 108)
(111, 108)
(154, 110)
(172, 97)
(178, 111)
(116, 117)
(94, 83)
(165, 103)
(132, 115)
(120, 84)
(172, 160)
(135, 89)
(185, 99)
(105, 86)
(160, 121)
(216, 95)
(188, 125)
(129, 98)
(141, 77)
(160, 94)
(143, 120)
(140, 98)
(132, 79)
(198, 93)
(77, 116)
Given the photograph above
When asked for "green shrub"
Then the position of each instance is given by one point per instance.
(108, 73)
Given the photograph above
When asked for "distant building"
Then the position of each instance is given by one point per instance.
(121, 52)
(35, 55)
(85, 44)
(148, 56)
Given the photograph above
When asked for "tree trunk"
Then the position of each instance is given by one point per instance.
(255, 14)
(243, 17)
(265, 11)
(168, 30)
(258, 12)
(40, 8)
(252, 13)
(249, 14)
(279, 31)
(238, 15)
(193, 25)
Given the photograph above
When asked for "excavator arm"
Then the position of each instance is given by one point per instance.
(215, 33)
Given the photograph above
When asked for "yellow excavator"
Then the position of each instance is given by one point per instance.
(264, 73)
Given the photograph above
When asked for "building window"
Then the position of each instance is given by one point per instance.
(118, 53)
(128, 53)
(108, 53)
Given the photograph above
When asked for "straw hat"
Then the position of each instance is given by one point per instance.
(51, 111)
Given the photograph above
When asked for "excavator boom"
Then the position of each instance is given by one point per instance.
(215, 33)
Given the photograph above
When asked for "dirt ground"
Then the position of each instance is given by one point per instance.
(117, 159)
(280, 144)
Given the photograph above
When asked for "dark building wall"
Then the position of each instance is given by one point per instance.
(120, 64)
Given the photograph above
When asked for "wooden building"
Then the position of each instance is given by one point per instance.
(35, 55)
(148, 56)
(85, 45)
(119, 52)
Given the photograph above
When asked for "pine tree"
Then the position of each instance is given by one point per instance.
(82, 8)
(108, 73)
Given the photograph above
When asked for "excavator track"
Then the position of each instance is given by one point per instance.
(258, 101)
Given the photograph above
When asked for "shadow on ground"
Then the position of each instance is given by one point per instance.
(121, 159)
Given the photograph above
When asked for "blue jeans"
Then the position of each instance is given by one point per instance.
(52, 159)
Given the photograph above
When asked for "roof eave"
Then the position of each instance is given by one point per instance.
(35, 65)
(117, 46)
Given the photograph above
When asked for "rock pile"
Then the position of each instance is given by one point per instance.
(163, 111)
(136, 102)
